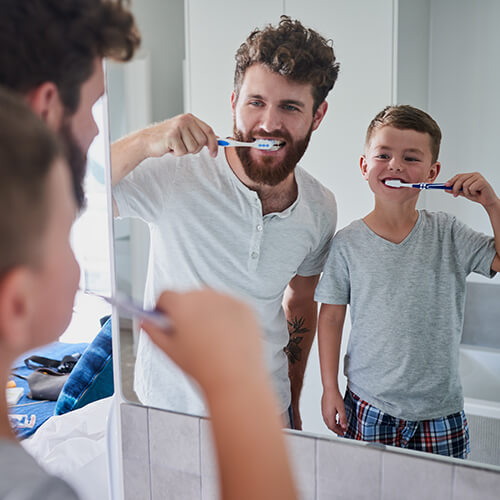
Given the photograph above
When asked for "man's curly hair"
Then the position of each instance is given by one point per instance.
(293, 51)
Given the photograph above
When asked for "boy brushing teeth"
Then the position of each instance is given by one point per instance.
(403, 271)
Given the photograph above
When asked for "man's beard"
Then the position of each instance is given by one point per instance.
(265, 170)
(77, 161)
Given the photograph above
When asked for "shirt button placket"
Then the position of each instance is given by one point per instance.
(257, 240)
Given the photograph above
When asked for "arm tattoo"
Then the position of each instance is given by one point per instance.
(296, 330)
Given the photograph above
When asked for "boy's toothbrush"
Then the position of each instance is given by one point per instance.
(264, 144)
(421, 185)
(126, 304)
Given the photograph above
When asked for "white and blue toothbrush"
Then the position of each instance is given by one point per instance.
(263, 144)
(421, 185)
(127, 305)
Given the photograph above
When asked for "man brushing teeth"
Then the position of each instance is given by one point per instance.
(267, 105)
(246, 221)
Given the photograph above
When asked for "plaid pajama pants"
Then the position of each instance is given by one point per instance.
(444, 436)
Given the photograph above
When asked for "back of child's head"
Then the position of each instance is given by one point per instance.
(405, 117)
(28, 150)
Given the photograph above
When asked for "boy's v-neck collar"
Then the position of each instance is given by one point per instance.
(408, 237)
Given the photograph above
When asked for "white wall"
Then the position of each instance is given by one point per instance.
(161, 23)
(412, 53)
(214, 31)
(148, 89)
(464, 98)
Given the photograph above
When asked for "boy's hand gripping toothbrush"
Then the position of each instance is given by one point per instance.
(127, 305)
(421, 185)
(263, 144)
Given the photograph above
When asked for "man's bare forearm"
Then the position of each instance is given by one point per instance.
(180, 135)
(301, 328)
(126, 154)
(302, 315)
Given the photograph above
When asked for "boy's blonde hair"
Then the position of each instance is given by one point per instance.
(28, 151)
(406, 117)
(57, 41)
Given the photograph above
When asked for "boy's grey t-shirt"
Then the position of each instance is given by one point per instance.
(21, 478)
(407, 307)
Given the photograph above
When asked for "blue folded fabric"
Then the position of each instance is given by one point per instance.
(40, 410)
(92, 377)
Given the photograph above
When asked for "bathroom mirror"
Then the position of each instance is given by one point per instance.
(434, 54)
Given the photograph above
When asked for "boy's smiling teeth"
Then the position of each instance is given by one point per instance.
(393, 179)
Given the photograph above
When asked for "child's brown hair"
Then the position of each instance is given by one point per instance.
(28, 151)
(405, 117)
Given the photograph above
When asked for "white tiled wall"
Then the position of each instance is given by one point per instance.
(209, 471)
(174, 453)
(171, 456)
(303, 452)
(347, 472)
(135, 446)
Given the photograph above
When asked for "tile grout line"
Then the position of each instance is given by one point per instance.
(199, 458)
(316, 468)
(149, 455)
(382, 461)
(453, 474)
